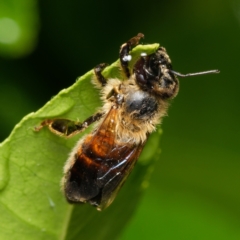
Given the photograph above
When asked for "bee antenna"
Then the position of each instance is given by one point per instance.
(194, 74)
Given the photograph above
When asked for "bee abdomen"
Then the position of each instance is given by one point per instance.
(91, 171)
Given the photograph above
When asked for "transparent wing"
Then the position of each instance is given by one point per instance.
(102, 165)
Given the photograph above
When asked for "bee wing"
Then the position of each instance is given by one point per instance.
(117, 174)
(101, 165)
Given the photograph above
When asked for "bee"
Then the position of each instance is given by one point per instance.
(101, 161)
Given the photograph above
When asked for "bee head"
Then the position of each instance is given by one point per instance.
(153, 74)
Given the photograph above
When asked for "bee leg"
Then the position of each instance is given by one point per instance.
(124, 52)
(98, 74)
(68, 128)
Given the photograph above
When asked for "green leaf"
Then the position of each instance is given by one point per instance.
(31, 203)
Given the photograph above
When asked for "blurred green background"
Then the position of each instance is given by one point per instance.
(195, 189)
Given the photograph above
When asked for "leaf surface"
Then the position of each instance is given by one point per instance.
(31, 203)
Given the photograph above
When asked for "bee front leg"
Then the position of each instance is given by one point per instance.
(68, 128)
(124, 52)
(99, 78)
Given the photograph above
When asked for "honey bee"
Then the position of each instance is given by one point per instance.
(101, 161)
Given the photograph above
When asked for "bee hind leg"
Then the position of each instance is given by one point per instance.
(66, 127)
